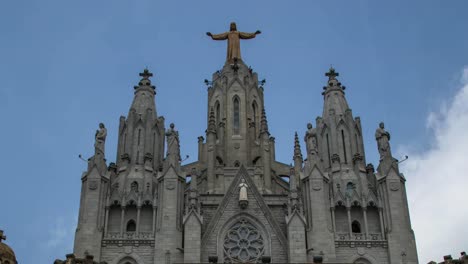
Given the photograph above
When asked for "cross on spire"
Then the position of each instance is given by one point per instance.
(146, 74)
(332, 74)
(2, 237)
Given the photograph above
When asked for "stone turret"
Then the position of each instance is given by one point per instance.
(142, 132)
(95, 184)
(237, 130)
(391, 187)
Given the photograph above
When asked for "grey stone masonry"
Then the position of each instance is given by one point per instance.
(236, 203)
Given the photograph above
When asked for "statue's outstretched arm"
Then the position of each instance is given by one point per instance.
(221, 36)
(245, 35)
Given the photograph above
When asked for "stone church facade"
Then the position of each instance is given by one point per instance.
(237, 203)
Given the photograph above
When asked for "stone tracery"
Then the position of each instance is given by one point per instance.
(243, 243)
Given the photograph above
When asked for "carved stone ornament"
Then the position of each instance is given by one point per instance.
(93, 185)
(317, 184)
(394, 185)
(243, 243)
(170, 185)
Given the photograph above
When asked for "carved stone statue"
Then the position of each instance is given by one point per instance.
(100, 139)
(311, 139)
(173, 145)
(233, 36)
(243, 199)
(383, 141)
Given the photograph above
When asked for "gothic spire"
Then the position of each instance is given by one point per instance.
(334, 96)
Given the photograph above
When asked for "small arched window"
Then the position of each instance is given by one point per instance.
(236, 117)
(134, 186)
(356, 227)
(349, 189)
(131, 226)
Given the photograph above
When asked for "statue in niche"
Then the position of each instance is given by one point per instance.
(233, 36)
(311, 139)
(383, 141)
(100, 139)
(243, 199)
(173, 147)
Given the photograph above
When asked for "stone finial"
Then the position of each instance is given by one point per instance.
(332, 74)
(263, 122)
(146, 74)
(297, 148)
(145, 81)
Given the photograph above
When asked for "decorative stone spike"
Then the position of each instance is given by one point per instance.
(263, 123)
(297, 147)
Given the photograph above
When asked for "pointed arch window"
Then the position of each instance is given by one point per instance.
(349, 189)
(356, 226)
(236, 117)
(134, 186)
(131, 226)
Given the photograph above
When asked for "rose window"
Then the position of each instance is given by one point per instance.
(243, 243)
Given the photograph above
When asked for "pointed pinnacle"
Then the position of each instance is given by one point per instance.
(297, 147)
(263, 122)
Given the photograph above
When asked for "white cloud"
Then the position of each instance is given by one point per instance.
(61, 234)
(437, 181)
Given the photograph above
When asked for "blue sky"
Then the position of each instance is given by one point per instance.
(65, 66)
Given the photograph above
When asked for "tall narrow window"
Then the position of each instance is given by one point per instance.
(344, 147)
(131, 226)
(139, 136)
(218, 113)
(254, 112)
(328, 152)
(236, 119)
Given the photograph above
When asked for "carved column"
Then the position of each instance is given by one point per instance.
(348, 210)
(106, 221)
(332, 209)
(138, 221)
(364, 213)
(381, 223)
(122, 217)
(154, 218)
